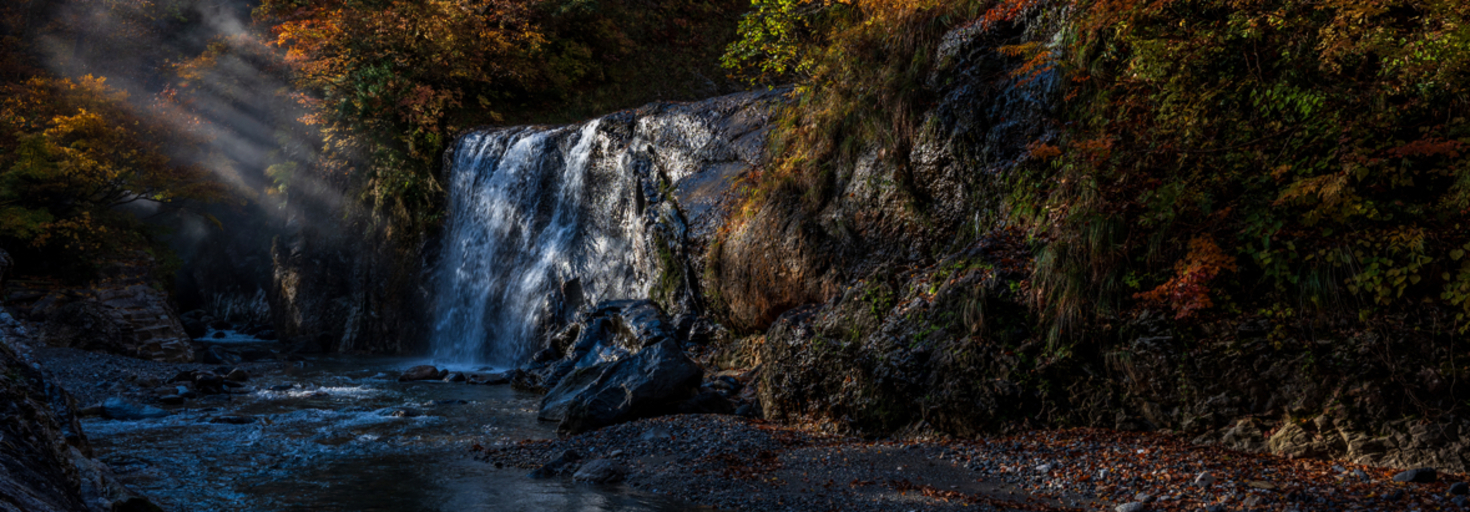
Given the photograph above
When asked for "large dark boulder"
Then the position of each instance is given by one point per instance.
(607, 333)
(650, 383)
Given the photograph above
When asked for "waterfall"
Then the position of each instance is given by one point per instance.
(542, 220)
(529, 212)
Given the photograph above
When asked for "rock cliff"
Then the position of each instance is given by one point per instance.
(45, 460)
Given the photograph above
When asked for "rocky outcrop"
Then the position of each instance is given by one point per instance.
(803, 244)
(619, 362)
(45, 463)
(343, 286)
(121, 313)
(649, 383)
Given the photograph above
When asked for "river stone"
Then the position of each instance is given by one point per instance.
(1459, 489)
(237, 375)
(118, 409)
(421, 372)
(649, 383)
(1418, 476)
(601, 471)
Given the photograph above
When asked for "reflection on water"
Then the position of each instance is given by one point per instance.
(346, 437)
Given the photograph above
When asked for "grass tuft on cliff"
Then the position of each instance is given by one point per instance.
(1302, 160)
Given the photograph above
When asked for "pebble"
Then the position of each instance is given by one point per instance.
(1131, 507)
(1459, 489)
(1205, 479)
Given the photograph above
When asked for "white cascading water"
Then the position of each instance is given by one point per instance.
(528, 211)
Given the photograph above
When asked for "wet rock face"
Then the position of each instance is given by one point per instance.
(889, 209)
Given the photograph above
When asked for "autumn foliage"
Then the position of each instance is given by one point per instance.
(80, 163)
(390, 83)
(1217, 156)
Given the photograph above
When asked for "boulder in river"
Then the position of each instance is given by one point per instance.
(650, 383)
(119, 409)
(422, 372)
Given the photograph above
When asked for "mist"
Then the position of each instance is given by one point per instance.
(204, 68)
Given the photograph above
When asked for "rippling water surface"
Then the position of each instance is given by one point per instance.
(347, 437)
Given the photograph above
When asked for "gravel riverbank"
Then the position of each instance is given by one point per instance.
(730, 463)
(93, 377)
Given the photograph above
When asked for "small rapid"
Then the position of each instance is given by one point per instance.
(341, 433)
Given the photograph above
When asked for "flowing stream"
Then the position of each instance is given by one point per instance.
(346, 436)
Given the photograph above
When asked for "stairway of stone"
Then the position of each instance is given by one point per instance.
(149, 326)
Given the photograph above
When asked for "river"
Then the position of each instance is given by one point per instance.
(346, 436)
